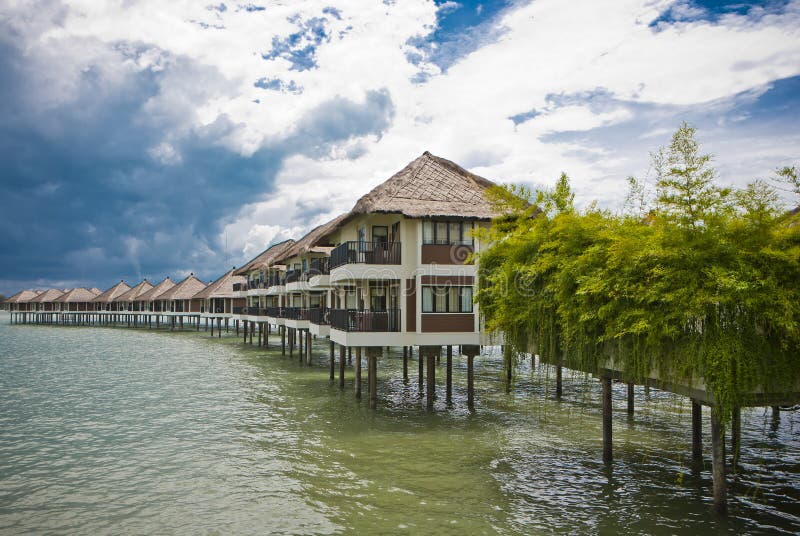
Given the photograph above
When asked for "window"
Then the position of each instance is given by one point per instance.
(446, 299)
(446, 233)
(380, 234)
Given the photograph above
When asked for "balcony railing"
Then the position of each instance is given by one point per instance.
(317, 267)
(238, 310)
(319, 316)
(365, 253)
(275, 312)
(238, 287)
(365, 321)
(292, 276)
(295, 313)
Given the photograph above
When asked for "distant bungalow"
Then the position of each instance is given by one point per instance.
(105, 301)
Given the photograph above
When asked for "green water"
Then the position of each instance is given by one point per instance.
(119, 431)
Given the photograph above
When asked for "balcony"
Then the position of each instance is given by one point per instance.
(295, 313)
(365, 253)
(238, 310)
(317, 267)
(360, 320)
(275, 312)
(319, 316)
(293, 276)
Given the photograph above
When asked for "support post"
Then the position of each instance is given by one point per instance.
(449, 374)
(697, 433)
(630, 400)
(718, 463)
(421, 368)
(330, 358)
(559, 380)
(283, 340)
(308, 347)
(431, 387)
(607, 444)
(358, 372)
(342, 357)
(405, 364)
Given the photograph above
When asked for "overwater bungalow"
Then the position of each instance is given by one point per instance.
(105, 301)
(181, 297)
(77, 299)
(127, 300)
(218, 299)
(45, 301)
(265, 286)
(20, 302)
(148, 300)
(307, 290)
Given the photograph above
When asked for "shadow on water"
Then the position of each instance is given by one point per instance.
(106, 429)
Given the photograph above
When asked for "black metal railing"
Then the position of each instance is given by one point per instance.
(365, 321)
(319, 316)
(317, 267)
(275, 312)
(295, 313)
(292, 276)
(365, 253)
(238, 310)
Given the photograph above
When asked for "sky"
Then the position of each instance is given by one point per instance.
(144, 139)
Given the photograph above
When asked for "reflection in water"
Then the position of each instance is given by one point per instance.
(111, 430)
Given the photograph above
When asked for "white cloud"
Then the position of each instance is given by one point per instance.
(547, 48)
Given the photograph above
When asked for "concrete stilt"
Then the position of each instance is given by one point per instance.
(607, 439)
(718, 463)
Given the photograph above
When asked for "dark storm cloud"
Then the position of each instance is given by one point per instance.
(117, 182)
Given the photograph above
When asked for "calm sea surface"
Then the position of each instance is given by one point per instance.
(116, 431)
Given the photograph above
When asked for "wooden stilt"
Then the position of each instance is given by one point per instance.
(330, 358)
(449, 375)
(421, 369)
(718, 463)
(405, 364)
(358, 372)
(300, 351)
(308, 348)
(630, 399)
(697, 433)
(470, 381)
(349, 354)
(559, 380)
(342, 357)
(431, 387)
(607, 443)
(283, 340)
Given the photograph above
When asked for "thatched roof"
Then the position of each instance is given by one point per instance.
(185, 290)
(267, 257)
(429, 187)
(96, 291)
(222, 287)
(133, 293)
(155, 292)
(316, 239)
(47, 296)
(109, 295)
(76, 295)
(23, 296)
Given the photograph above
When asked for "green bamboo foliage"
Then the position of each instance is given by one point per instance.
(699, 283)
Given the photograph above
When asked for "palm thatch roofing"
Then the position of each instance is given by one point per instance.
(96, 291)
(47, 296)
(133, 293)
(267, 257)
(222, 287)
(185, 290)
(109, 295)
(428, 187)
(23, 296)
(76, 295)
(315, 240)
(155, 292)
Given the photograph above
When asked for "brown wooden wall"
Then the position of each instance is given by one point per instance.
(448, 322)
(444, 254)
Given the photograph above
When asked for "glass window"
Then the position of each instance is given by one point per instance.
(441, 299)
(380, 234)
(453, 301)
(427, 232)
(466, 299)
(441, 232)
(455, 232)
(427, 299)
